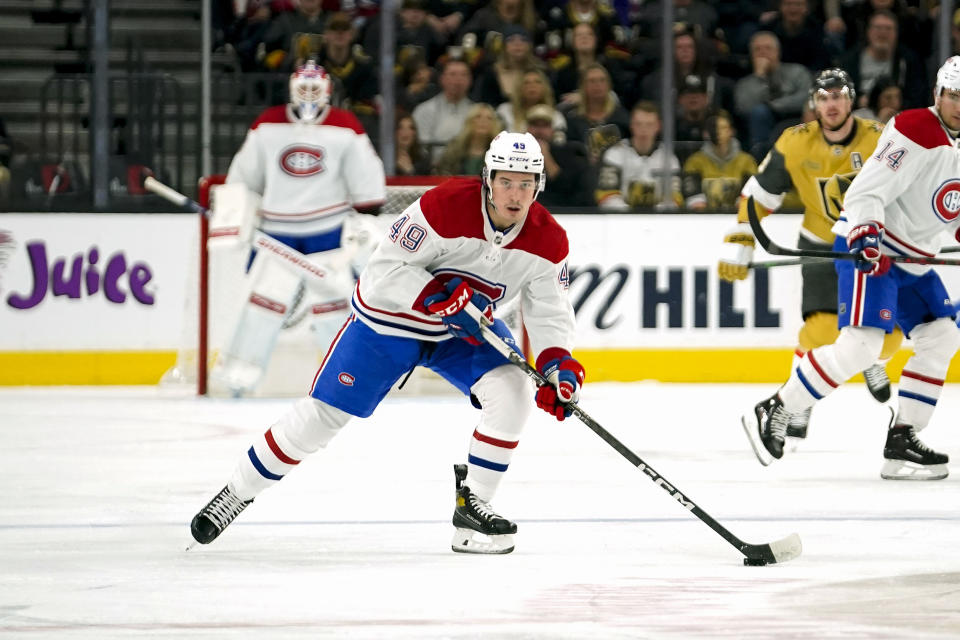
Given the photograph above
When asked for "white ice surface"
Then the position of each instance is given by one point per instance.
(99, 485)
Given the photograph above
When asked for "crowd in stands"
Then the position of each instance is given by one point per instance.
(585, 77)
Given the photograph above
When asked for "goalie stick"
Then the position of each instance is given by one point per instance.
(775, 249)
(755, 554)
(261, 241)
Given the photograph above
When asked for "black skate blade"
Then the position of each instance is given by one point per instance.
(784, 550)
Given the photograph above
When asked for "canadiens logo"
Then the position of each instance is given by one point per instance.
(886, 314)
(946, 200)
(301, 160)
(346, 379)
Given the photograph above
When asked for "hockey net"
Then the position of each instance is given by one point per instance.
(218, 290)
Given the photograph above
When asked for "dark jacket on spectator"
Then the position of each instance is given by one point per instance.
(909, 73)
(572, 187)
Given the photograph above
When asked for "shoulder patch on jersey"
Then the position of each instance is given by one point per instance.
(272, 115)
(868, 123)
(922, 127)
(542, 236)
(453, 208)
(343, 118)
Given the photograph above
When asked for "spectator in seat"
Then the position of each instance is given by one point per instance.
(563, 18)
(411, 159)
(568, 66)
(415, 85)
(413, 31)
(565, 163)
(631, 170)
(884, 102)
(801, 35)
(884, 56)
(354, 70)
(693, 107)
(714, 175)
(498, 17)
(915, 28)
(598, 121)
(447, 16)
(497, 82)
(443, 116)
(534, 89)
(773, 96)
(463, 156)
(294, 36)
(690, 58)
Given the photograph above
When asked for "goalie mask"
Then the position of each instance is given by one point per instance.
(310, 91)
(514, 152)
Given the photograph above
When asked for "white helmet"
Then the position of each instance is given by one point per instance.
(948, 77)
(514, 152)
(310, 90)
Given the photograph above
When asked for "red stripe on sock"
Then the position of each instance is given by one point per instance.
(917, 376)
(275, 448)
(506, 444)
(816, 367)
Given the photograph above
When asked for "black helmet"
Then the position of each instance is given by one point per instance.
(834, 78)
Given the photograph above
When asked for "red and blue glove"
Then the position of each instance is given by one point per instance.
(452, 309)
(864, 240)
(565, 376)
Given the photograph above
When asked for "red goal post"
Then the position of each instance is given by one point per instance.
(196, 355)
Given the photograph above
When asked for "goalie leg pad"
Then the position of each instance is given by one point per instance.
(824, 369)
(272, 291)
(921, 381)
(307, 426)
(329, 299)
(504, 394)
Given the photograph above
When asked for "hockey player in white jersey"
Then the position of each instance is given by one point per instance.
(906, 196)
(314, 168)
(466, 242)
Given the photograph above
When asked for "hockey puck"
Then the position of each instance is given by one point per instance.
(754, 562)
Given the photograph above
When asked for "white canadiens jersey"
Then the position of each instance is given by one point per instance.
(310, 175)
(447, 234)
(910, 186)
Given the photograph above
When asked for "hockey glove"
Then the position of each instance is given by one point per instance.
(451, 307)
(565, 376)
(737, 253)
(864, 240)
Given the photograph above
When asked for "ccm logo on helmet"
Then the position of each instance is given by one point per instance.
(946, 200)
(301, 160)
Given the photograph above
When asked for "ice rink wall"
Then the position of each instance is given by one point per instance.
(103, 299)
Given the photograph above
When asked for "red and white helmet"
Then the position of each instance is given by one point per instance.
(514, 152)
(948, 77)
(310, 91)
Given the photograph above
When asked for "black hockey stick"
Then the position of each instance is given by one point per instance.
(755, 554)
(769, 264)
(773, 248)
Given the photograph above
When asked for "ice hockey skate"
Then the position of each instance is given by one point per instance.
(798, 424)
(878, 383)
(907, 458)
(214, 518)
(478, 528)
(766, 428)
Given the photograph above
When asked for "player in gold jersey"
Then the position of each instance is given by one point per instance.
(804, 158)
